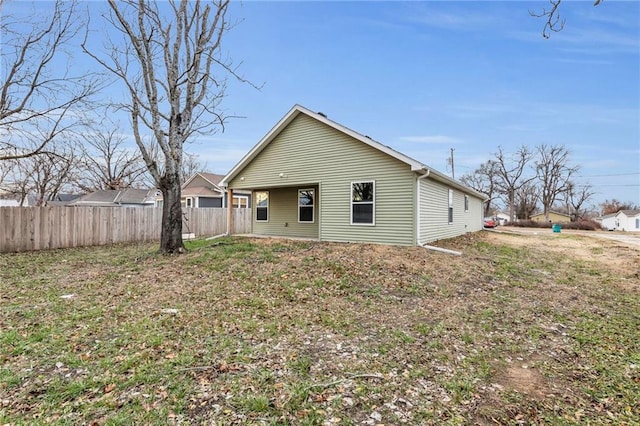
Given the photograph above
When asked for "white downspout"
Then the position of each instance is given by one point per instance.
(225, 203)
(424, 176)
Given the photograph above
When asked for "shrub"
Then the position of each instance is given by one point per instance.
(583, 225)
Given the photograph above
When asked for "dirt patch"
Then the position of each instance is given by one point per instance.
(524, 379)
(620, 258)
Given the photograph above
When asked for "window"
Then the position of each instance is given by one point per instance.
(262, 206)
(637, 223)
(451, 206)
(363, 203)
(189, 202)
(240, 202)
(466, 203)
(306, 200)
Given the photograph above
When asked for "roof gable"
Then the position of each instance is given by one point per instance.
(211, 179)
(415, 165)
(629, 213)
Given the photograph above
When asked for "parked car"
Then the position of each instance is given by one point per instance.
(489, 222)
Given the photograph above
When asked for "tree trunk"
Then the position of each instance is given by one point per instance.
(171, 239)
(512, 207)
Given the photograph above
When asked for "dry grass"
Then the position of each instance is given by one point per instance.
(518, 330)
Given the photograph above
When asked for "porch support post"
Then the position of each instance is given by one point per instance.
(229, 211)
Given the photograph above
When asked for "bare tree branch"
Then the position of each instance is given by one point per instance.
(510, 174)
(554, 173)
(167, 61)
(38, 97)
(553, 21)
(106, 163)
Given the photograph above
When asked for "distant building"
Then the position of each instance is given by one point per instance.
(553, 217)
(128, 197)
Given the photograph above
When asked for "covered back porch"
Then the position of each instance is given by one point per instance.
(286, 211)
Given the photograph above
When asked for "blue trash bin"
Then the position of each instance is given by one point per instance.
(556, 227)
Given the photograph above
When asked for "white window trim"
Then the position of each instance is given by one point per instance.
(262, 207)
(313, 206)
(241, 197)
(373, 213)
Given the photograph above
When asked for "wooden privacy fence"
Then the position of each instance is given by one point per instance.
(38, 228)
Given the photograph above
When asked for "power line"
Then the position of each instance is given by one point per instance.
(611, 175)
(608, 184)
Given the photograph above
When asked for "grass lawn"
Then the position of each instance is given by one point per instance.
(539, 329)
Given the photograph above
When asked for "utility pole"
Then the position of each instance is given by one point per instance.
(453, 171)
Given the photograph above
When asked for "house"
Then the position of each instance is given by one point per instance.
(9, 199)
(62, 199)
(608, 221)
(204, 190)
(624, 220)
(553, 217)
(128, 197)
(314, 178)
(502, 218)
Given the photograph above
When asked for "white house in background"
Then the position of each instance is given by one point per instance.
(624, 220)
(502, 218)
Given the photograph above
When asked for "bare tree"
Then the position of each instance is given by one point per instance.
(554, 22)
(576, 197)
(191, 165)
(526, 200)
(42, 177)
(554, 172)
(37, 94)
(510, 175)
(106, 163)
(50, 174)
(484, 180)
(167, 62)
(615, 205)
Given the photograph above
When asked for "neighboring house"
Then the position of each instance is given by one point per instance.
(502, 218)
(624, 220)
(128, 197)
(553, 217)
(204, 190)
(314, 178)
(608, 221)
(62, 199)
(8, 199)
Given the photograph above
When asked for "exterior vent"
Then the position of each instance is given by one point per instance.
(322, 114)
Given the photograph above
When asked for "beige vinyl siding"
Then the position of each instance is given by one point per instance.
(473, 217)
(283, 216)
(308, 152)
(434, 205)
(199, 181)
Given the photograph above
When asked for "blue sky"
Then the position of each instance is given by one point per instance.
(425, 77)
